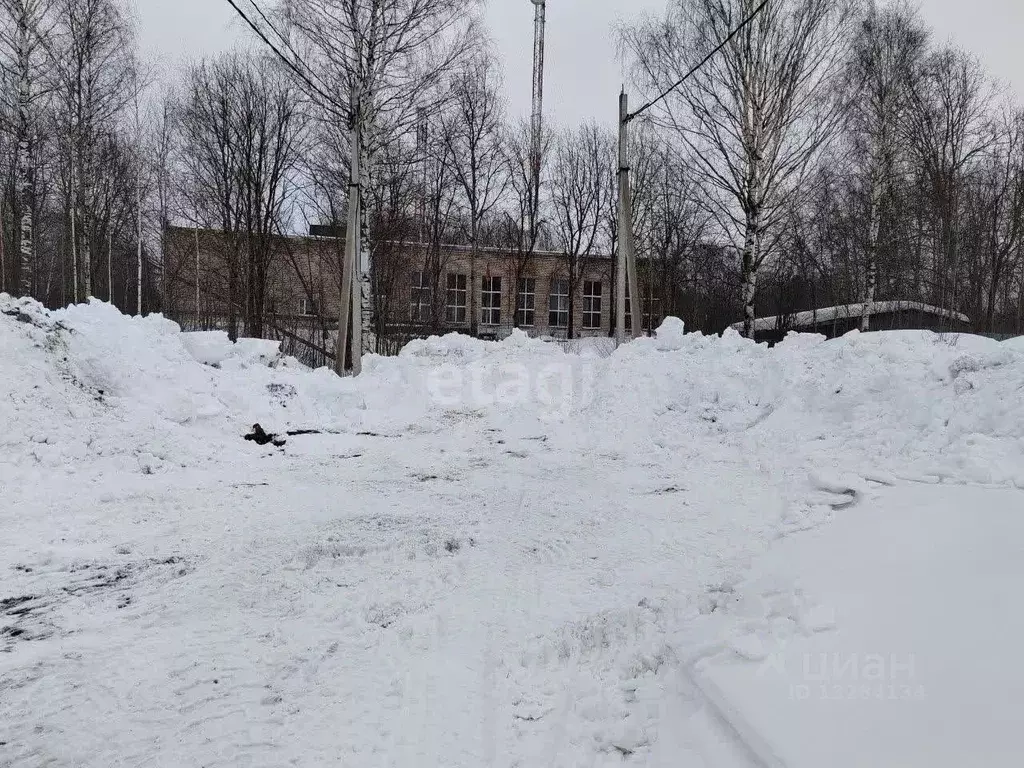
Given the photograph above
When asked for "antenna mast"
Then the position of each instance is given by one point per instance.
(537, 117)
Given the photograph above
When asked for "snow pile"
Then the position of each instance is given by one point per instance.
(906, 403)
(498, 553)
(88, 381)
(910, 403)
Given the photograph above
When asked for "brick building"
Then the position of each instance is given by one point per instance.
(421, 290)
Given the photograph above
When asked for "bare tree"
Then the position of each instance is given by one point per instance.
(389, 56)
(24, 29)
(949, 127)
(582, 188)
(438, 214)
(757, 115)
(95, 60)
(242, 138)
(160, 144)
(887, 53)
(473, 133)
(523, 225)
(673, 223)
(994, 218)
(211, 162)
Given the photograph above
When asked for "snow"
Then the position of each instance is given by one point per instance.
(921, 590)
(826, 315)
(504, 554)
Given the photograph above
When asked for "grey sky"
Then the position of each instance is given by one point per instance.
(583, 75)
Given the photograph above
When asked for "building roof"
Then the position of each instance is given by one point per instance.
(320, 232)
(826, 315)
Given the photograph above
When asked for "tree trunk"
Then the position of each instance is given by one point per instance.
(73, 210)
(475, 237)
(23, 163)
(233, 292)
(748, 286)
(874, 225)
(3, 254)
(990, 309)
(86, 234)
(570, 331)
(26, 247)
(138, 234)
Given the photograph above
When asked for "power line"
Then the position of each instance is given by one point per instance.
(330, 104)
(270, 24)
(703, 61)
(287, 42)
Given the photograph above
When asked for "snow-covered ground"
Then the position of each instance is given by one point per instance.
(694, 551)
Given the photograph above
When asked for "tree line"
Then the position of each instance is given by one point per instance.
(833, 152)
(71, 153)
(845, 156)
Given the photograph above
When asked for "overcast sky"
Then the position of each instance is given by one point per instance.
(583, 75)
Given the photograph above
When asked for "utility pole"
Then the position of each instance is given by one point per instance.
(537, 116)
(626, 250)
(350, 310)
(626, 257)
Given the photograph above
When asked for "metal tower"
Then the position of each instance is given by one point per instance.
(537, 119)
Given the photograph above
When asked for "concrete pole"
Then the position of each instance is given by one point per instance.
(359, 270)
(623, 223)
(626, 266)
(350, 309)
(635, 299)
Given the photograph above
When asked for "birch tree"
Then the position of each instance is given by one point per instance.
(95, 62)
(887, 53)
(24, 27)
(757, 114)
(389, 58)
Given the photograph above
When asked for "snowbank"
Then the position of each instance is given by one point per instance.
(904, 402)
(88, 382)
(497, 553)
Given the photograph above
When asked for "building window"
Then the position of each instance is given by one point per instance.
(527, 301)
(652, 316)
(558, 304)
(592, 304)
(307, 307)
(420, 298)
(490, 301)
(457, 293)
